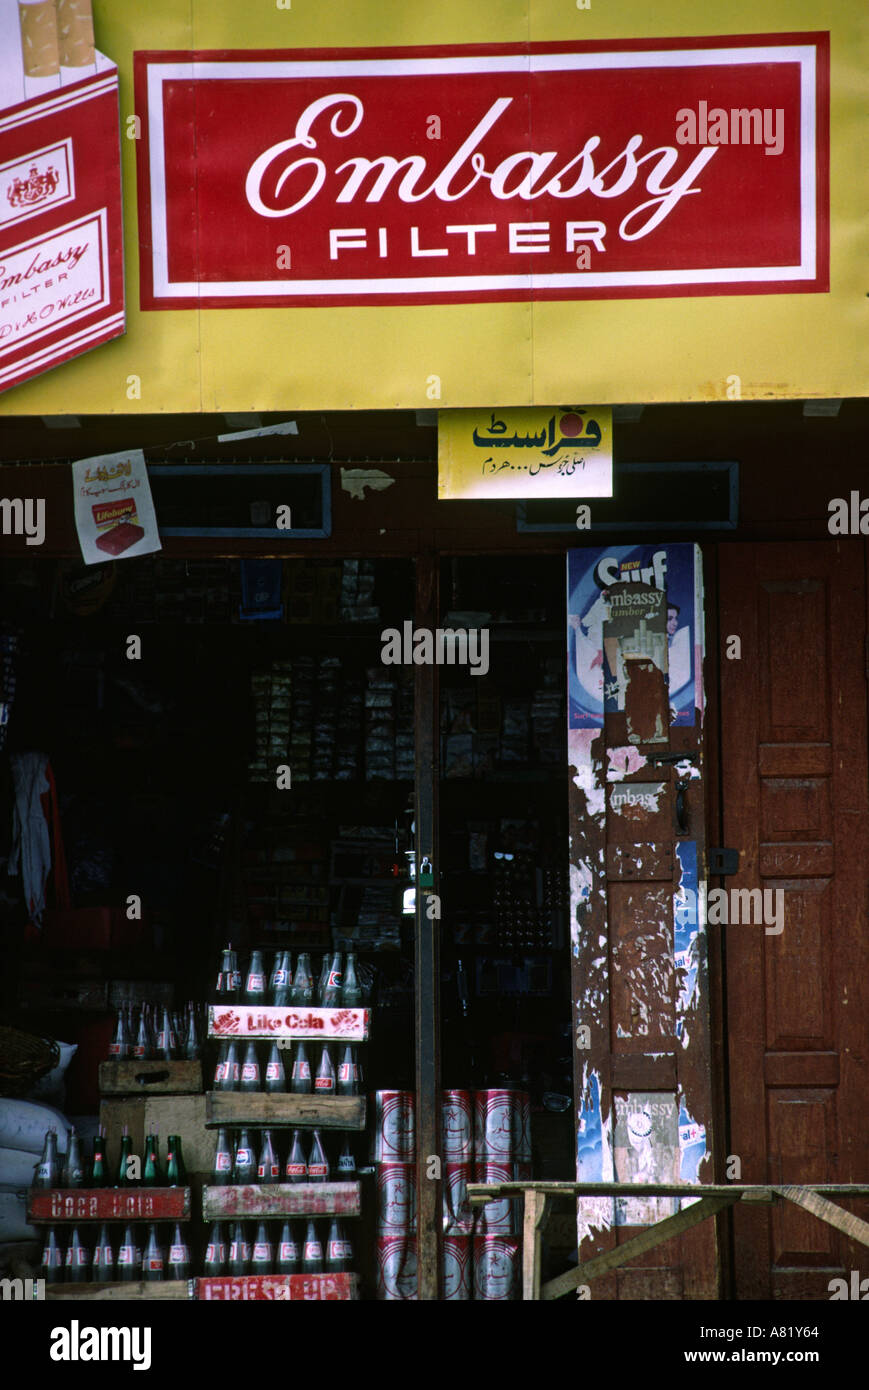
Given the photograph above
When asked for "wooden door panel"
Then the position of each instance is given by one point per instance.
(794, 795)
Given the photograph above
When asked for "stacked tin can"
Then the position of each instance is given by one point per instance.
(486, 1138)
(394, 1158)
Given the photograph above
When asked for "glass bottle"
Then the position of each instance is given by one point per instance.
(215, 1252)
(346, 1162)
(351, 991)
(178, 1262)
(275, 1078)
(99, 1166)
(167, 1043)
(152, 1265)
(73, 1169)
(347, 1083)
(221, 1171)
(119, 1047)
(255, 984)
(128, 1257)
(221, 1069)
(268, 1169)
(250, 1074)
(237, 1250)
(303, 981)
(332, 992)
(77, 1259)
(262, 1254)
(152, 1175)
(123, 1177)
(245, 1163)
(282, 980)
(51, 1266)
(46, 1173)
(323, 979)
(312, 1252)
(324, 1082)
(300, 1081)
(297, 1165)
(226, 988)
(318, 1164)
(102, 1260)
(338, 1254)
(176, 1172)
(193, 1042)
(288, 1255)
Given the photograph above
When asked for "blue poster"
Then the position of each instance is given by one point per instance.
(590, 571)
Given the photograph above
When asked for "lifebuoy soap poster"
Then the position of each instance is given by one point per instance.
(61, 235)
(114, 510)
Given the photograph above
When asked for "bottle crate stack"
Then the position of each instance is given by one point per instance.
(287, 1078)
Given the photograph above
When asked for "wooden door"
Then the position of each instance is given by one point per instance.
(794, 794)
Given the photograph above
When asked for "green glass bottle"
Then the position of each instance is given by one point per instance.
(123, 1179)
(176, 1173)
(99, 1169)
(152, 1175)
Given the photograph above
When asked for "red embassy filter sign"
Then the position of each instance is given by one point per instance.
(547, 171)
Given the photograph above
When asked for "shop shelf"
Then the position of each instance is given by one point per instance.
(252, 1202)
(237, 1108)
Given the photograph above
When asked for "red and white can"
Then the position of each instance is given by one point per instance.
(457, 1212)
(493, 1125)
(500, 1215)
(396, 1187)
(457, 1127)
(396, 1268)
(394, 1134)
(458, 1283)
(522, 1127)
(497, 1267)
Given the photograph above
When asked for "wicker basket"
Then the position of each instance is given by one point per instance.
(23, 1059)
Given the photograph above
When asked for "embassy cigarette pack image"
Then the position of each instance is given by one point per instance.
(61, 246)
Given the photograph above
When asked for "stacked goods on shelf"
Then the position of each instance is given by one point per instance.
(502, 1152)
(94, 1214)
(265, 1082)
(394, 1153)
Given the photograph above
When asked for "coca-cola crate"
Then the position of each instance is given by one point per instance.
(268, 1021)
(306, 1288)
(108, 1204)
(281, 1199)
(159, 1291)
(153, 1078)
(258, 1108)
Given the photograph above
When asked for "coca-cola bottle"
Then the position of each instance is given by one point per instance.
(262, 1255)
(332, 992)
(176, 1172)
(351, 991)
(346, 1162)
(300, 1080)
(289, 1255)
(128, 1257)
(226, 988)
(312, 1252)
(339, 1254)
(302, 991)
(51, 1265)
(102, 1259)
(268, 1169)
(46, 1173)
(215, 1252)
(152, 1175)
(324, 1082)
(297, 1165)
(193, 1042)
(77, 1259)
(221, 1171)
(119, 1047)
(245, 1162)
(73, 1174)
(124, 1176)
(318, 1164)
(348, 1081)
(178, 1261)
(142, 1044)
(152, 1265)
(255, 984)
(99, 1172)
(282, 979)
(238, 1248)
(275, 1078)
(167, 1042)
(250, 1077)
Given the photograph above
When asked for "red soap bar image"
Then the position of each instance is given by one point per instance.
(120, 538)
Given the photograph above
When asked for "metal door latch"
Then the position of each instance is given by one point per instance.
(722, 862)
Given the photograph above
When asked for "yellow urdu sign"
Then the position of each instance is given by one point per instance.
(545, 452)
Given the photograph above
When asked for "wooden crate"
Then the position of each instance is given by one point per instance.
(108, 1204)
(138, 1291)
(150, 1078)
(250, 1202)
(184, 1115)
(280, 1287)
(267, 1021)
(259, 1108)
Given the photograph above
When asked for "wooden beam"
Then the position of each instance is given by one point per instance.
(490, 1192)
(845, 1221)
(537, 1208)
(159, 1291)
(259, 1108)
(646, 1240)
(155, 1078)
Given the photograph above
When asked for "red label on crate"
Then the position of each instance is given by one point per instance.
(109, 1204)
(324, 1024)
(329, 152)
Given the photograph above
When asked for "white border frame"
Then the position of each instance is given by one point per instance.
(428, 283)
